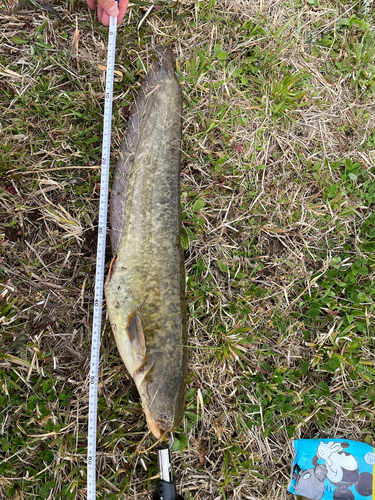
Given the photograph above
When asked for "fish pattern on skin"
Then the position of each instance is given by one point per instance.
(145, 292)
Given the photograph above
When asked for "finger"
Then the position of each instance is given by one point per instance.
(105, 18)
(123, 5)
(91, 4)
(100, 12)
(109, 6)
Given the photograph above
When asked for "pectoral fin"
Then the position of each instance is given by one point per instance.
(141, 362)
(137, 341)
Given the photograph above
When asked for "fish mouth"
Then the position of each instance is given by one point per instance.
(159, 428)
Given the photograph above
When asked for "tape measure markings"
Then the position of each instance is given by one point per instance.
(100, 263)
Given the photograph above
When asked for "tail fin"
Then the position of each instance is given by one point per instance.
(165, 56)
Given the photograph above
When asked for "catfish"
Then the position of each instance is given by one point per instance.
(145, 289)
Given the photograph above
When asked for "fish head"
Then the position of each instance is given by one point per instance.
(160, 427)
(162, 389)
(159, 371)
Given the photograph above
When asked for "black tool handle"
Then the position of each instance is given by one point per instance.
(167, 491)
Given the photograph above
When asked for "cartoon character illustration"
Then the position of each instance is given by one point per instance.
(343, 470)
(337, 461)
(333, 462)
(310, 482)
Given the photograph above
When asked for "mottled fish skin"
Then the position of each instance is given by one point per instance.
(145, 292)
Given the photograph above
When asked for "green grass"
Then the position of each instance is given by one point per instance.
(277, 200)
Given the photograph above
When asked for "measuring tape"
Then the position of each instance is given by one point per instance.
(100, 262)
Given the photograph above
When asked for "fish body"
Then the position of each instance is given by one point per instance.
(145, 291)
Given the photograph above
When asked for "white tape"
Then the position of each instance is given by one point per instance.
(100, 262)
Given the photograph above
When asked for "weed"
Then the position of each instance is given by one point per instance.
(352, 47)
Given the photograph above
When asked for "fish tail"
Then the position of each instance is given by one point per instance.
(165, 56)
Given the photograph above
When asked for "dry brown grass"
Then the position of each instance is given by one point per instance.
(273, 225)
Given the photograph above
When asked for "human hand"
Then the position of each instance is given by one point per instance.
(107, 8)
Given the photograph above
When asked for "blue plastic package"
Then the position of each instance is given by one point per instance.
(333, 469)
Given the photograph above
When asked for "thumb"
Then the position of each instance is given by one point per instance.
(110, 6)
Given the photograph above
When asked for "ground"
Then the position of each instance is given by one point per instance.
(277, 196)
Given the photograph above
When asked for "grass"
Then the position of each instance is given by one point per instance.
(277, 202)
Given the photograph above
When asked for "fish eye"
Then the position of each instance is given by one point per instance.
(167, 416)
